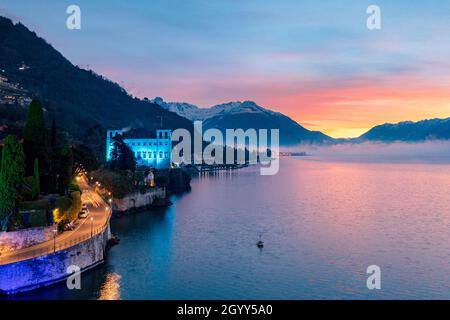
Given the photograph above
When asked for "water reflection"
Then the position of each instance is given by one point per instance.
(111, 287)
(323, 224)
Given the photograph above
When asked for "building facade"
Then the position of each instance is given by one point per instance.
(155, 152)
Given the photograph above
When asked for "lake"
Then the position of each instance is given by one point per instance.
(323, 224)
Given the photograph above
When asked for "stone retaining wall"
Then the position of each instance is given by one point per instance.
(45, 270)
(139, 200)
(10, 241)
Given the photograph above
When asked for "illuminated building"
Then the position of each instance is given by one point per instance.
(153, 151)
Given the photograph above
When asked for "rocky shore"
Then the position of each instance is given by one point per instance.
(168, 182)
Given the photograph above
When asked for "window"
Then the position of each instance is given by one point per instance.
(160, 154)
(154, 154)
(139, 154)
(160, 143)
(144, 155)
(166, 155)
(149, 155)
(166, 143)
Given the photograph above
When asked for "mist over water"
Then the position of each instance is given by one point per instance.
(396, 152)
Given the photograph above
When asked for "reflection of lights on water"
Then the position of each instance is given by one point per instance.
(110, 289)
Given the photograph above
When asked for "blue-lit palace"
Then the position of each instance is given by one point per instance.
(151, 151)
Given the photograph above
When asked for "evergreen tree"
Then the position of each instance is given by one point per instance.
(84, 156)
(54, 153)
(35, 139)
(127, 160)
(11, 175)
(93, 139)
(53, 135)
(36, 185)
(122, 157)
(65, 168)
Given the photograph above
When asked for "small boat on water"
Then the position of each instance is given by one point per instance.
(260, 243)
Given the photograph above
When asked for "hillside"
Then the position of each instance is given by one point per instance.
(433, 129)
(77, 98)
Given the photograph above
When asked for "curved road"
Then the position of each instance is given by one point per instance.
(99, 210)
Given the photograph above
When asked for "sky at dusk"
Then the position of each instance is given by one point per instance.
(314, 61)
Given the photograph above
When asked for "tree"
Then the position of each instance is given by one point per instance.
(36, 185)
(94, 139)
(122, 157)
(120, 183)
(54, 157)
(35, 138)
(65, 168)
(11, 176)
(83, 156)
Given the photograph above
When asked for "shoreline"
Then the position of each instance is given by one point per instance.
(49, 261)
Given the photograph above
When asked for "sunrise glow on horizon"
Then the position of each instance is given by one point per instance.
(316, 63)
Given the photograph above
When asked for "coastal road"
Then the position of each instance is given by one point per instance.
(99, 211)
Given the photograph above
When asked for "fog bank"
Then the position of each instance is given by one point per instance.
(430, 151)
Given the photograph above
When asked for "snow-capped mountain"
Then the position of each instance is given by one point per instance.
(245, 115)
(194, 113)
(186, 110)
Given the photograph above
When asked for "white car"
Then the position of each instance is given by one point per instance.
(84, 212)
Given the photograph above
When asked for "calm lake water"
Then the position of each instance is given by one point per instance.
(323, 224)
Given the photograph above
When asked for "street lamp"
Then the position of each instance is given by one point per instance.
(92, 227)
(55, 231)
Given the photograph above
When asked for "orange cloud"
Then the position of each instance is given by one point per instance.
(351, 111)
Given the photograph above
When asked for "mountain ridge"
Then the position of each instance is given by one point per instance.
(409, 131)
(246, 115)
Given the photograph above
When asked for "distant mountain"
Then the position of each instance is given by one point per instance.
(246, 115)
(186, 110)
(433, 129)
(77, 98)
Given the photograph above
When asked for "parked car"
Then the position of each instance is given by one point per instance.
(69, 226)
